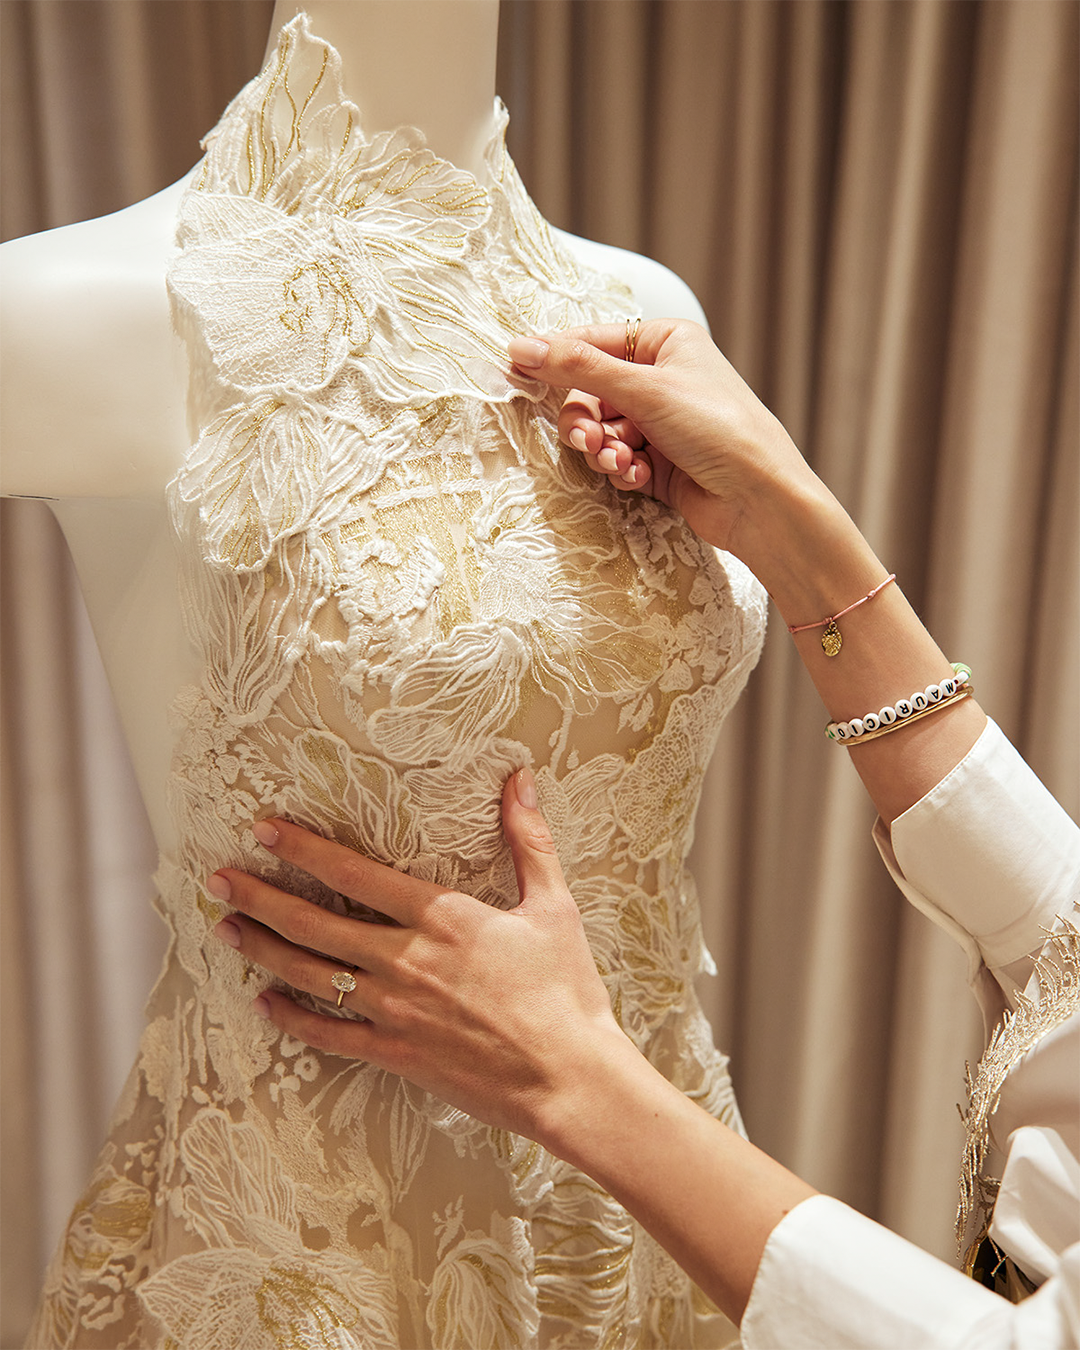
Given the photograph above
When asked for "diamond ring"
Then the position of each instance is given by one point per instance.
(344, 981)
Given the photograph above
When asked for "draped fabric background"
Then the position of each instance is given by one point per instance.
(876, 203)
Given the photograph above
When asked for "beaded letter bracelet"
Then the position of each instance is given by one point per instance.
(922, 703)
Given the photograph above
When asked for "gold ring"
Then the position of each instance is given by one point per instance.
(344, 981)
(633, 327)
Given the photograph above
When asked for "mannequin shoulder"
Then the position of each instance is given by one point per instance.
(660, 293)
(94, 377)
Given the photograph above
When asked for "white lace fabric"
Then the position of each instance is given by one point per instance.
(401, 590)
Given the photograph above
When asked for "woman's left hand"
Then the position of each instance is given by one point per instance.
(497, 1012)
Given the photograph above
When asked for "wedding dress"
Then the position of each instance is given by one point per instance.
(402, 590)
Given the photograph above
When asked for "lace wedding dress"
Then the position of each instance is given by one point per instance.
(402, 590)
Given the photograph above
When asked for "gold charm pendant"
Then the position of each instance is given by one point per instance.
(831, 641)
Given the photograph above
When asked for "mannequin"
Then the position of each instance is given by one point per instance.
(99, 427)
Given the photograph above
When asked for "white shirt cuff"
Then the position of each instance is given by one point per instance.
(987, 852)
(831, 1277)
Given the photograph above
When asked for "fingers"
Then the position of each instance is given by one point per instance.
(298, 967)
(536, 862)
(637, 476)
(580, 422)
(335, 1035)
(587, 363)
(609, 442)
(590, 424)
(609, 338)
(608, 395)
(304, 924)
(342, 869)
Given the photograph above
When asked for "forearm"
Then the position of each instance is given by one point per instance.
(812, 559)
(709, 1197)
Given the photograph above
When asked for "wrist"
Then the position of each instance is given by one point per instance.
(805, 549)
(608, 1081)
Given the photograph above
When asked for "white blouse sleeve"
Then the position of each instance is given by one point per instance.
(991, 857)
(831, 1279)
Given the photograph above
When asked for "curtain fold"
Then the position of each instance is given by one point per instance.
(876, 202)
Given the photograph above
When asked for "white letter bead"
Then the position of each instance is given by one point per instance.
(886, 717)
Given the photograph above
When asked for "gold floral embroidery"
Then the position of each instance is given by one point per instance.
(1057, 970)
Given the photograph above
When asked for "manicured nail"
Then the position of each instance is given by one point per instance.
(228, 932)
(578, 439)
(525, 787)
(265, 833)
(218, 887)
(261, 1007)
(528, 352)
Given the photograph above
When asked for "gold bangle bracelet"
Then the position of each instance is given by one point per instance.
(958, 697)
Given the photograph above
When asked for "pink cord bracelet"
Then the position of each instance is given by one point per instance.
(831, 641)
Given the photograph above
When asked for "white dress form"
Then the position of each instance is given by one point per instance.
(94, 409)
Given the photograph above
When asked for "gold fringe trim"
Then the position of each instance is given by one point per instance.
(1057, 968)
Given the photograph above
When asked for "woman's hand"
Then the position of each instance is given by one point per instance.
(679, 423)
(503, 1014)
(499, 1013)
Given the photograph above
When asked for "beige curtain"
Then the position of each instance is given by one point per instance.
(875, 201)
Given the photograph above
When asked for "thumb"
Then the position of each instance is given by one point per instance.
(531, 845)
(582, 359)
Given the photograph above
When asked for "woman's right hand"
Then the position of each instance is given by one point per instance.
(679, 423)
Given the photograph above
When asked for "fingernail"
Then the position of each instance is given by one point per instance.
(525, 787)
(265, 833)
(228, 932)
(261, 1007)
(218, 887)
(528, 352)
(578, 439)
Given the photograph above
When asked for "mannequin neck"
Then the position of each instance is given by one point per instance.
(429, 64)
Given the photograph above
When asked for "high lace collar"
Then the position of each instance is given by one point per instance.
(312, 253)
